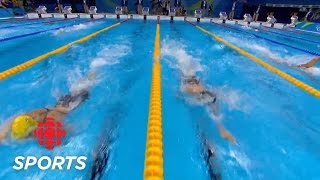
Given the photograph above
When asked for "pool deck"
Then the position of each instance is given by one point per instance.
(151, 17)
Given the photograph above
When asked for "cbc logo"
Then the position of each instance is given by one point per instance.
(49, 135)
(45, 162)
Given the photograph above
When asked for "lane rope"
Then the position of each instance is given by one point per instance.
(42, 22)
(270, 40)
(23, 19)
(271, 68)
(47, 30)
(153, 164)
(285, 35)
(317, 34)
(7, 73)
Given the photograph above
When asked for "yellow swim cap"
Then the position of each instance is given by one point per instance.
(22, 126)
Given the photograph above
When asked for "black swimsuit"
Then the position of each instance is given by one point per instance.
(205, 96)
(208, 97)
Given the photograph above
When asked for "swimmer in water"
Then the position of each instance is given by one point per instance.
(311, 63)
(22, 125)
(3, 4)
(193, 86)
(210, 157)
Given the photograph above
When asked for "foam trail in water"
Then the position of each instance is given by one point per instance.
(186, 63)
(72, 28)
(108, 55)
(5, 32)
(274, 55)
(292, 61)
(235, 99)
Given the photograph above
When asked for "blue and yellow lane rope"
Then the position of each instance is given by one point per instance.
(21, 67)
(271, 68)
(153, 164)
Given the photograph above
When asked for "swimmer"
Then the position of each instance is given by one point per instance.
(22, 125)
(100, 162)
(311, 63)
(61, 30)
(210, 157)
(3, 4)
(193, 86)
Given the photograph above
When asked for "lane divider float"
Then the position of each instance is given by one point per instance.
(7, 73)
(313, 33)
(285, 35)
(271, 68)
(42, 22)
(47, 30)
(153, 164)
(23, 19)
(270, 40)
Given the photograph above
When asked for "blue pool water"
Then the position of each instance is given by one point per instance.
(274, 122)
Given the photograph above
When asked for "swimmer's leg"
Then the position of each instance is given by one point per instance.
(73, 101)
(311, 63)
(224, 133)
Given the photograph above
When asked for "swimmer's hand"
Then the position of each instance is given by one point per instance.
(5, 130)
(227, 135)
(92, 76)
(2, 136)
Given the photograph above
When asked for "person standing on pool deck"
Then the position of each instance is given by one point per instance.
(193, 86)
(204, 6)
(22, 125)
(210, 10)
(139, 4)
(3, 4)
(124, 6)
(311, 63)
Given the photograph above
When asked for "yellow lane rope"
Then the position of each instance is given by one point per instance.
(153, 165)
(271, 68)
(7, 73)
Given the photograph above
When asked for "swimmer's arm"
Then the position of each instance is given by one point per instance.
(311, 63)
(5, 129)
(62, 110)
(215, 109)
(35, 114)
(224, 133)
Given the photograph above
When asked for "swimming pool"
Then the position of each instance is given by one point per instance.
(273, 121)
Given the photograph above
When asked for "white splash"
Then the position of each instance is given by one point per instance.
(288, 60)
(241, 159)
(72, 28)
(235, 99)
(185, 62)
(110, 55)
(5, 32)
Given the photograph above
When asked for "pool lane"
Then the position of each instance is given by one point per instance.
(182, 146)
(295, 32)
(20, 30)
(6, 22)
(281, 57)
(284, 33)
(285, 41)
(41, 22)
(115, 113)
(13, 54)
(29, 63)
(273, 122)
(313, 91)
